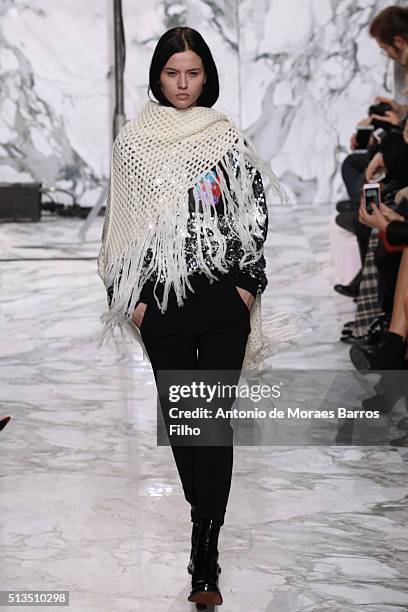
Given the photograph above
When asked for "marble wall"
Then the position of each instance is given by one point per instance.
(295, 75)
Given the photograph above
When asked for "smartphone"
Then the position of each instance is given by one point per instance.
(362, 137)
(372, 193)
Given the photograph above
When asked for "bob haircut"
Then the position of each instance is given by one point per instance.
(177, 40)
(391, 21)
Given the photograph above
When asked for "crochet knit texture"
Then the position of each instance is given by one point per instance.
(157, 157)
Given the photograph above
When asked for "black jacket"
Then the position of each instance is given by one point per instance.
(253, 277)
(397, 233)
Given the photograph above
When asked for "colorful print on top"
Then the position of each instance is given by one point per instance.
(202, 191)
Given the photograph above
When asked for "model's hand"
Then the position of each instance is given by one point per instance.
(247, 297)
(138, 314)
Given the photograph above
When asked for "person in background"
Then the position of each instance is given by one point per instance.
(390, 30)
(390, 353)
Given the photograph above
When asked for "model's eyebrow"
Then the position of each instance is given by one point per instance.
(175, 70)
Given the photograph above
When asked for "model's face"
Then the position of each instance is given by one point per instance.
(395, 52)
(183, 74)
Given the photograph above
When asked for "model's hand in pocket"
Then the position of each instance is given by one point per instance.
(138, 314)
(247, 296)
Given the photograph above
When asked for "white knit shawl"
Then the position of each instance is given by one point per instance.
(157, 157)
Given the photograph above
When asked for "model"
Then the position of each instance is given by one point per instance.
(182, 259)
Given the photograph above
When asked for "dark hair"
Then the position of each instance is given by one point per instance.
(392, 21)
(177, 40)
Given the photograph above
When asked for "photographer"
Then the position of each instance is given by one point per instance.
(392, 156)
(387, 151)
(391, 221)
(390, 353)
(390, 30)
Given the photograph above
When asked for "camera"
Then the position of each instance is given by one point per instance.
(380, 109)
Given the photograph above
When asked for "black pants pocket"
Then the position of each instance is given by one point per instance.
(146, 312)
(239, 299)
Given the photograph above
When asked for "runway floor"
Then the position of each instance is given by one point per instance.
(91, 505)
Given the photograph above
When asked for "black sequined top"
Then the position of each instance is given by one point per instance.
(252, 277)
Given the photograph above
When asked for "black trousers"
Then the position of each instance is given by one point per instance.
(388, 264)
(208, 332)
(349, 221)
(352, 171)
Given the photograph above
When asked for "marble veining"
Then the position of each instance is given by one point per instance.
(296, 76)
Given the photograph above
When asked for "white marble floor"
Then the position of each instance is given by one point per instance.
(91, 505)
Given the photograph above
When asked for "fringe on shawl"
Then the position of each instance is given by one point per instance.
(127, 273)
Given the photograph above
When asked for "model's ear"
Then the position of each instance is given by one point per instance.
(399, 42)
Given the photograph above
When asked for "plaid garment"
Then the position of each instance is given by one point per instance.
(368, 307)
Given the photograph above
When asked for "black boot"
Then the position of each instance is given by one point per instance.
(194, 538)
(374, 335)
(204, 582)
(345, 206)
(352, 289)
(389, 354)
(3, 421)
